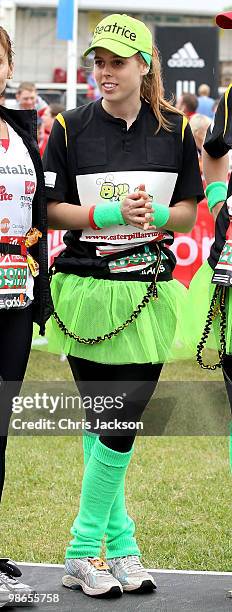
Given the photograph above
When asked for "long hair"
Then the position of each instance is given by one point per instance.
(152, 90)
(5, 41)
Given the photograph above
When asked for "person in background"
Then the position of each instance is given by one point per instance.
(93, 92)
(205, 103)
(199, 125)
(40, 134)
(187, 103)
(47, 121)
(28, 98)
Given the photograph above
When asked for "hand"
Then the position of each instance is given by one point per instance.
(147, 225)
(161, 215)
(135, 208)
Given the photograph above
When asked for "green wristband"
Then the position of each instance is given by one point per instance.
(108, 214)
(216, 192)
(161, 215)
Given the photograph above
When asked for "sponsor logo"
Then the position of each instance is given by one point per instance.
(18, 229)
(152, 270)
(15, 302)
(25, 200)
(5, 225)
(116, 29)
(186, 57)
(29, 187)
(4, 196)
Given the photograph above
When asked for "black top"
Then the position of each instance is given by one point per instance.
(88, 152)
(217, 143)
(25, 124)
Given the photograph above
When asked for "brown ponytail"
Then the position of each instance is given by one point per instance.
(152, 90)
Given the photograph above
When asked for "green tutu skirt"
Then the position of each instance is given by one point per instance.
(92, 307)
(200, 294)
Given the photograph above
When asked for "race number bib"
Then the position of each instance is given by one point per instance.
(223, 270)
(13, 277)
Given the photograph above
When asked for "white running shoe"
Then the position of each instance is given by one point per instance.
(12, 591)
(130, 572)
(4, 595)
(92, 576)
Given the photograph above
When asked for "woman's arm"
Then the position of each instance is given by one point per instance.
(182, 216)
(216, 146)
(215, 169)
(67, 216)
(62, 215)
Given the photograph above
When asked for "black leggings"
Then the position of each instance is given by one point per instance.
(16, 333)
(134, 383)
(227, 373)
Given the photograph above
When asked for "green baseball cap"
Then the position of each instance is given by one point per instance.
(122, 35)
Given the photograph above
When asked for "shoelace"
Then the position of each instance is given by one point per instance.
(131, 563)
(8, 579)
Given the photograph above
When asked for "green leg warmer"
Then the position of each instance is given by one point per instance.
(102, 479)
(120, 540)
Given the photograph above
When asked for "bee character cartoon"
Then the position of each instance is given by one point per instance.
(110, 191)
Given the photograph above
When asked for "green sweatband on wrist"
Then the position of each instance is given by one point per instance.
(216, 192)
(161, 215)
(108, 214)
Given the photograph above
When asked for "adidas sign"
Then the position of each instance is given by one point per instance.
(186, 57)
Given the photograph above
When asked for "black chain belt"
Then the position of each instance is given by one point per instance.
(217, 308)
(150, 293)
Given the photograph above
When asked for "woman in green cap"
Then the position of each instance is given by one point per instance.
(122, 174)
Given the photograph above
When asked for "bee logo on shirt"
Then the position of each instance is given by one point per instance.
(110, 191)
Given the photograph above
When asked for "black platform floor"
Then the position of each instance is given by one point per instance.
(177, 592)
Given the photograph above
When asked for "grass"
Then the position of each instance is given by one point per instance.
(178, 487)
